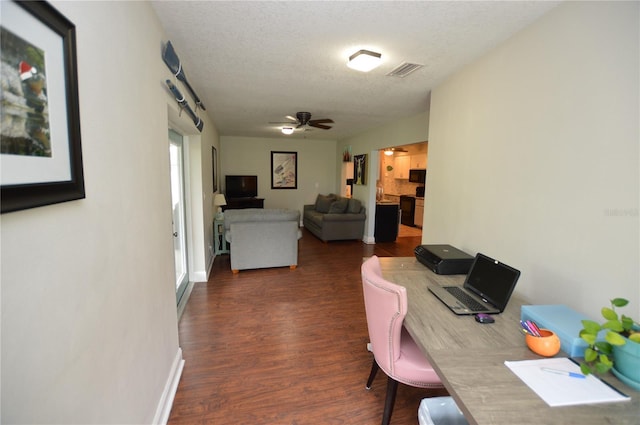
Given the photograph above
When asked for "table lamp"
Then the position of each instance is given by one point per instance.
(219, 200)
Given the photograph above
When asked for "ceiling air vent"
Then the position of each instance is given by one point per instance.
(404, 69)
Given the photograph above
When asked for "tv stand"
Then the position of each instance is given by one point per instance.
(242, 203)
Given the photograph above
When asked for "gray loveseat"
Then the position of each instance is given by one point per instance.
(262, 238)
(334, 218)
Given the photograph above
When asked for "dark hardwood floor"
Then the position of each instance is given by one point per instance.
(280, 346)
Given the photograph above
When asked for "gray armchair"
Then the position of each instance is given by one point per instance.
(262, 238)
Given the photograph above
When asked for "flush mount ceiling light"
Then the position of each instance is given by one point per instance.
(364, 60)
(287, 130)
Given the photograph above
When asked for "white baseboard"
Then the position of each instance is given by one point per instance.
(198, 276)
(166, 401)
(369, 240)
(202, 275)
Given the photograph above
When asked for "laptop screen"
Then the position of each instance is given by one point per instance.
(492, 280)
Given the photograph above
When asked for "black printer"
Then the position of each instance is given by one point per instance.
(444, 259)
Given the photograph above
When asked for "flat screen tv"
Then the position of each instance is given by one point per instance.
(241, 186)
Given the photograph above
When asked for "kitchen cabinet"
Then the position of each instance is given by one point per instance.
(401, 165)
(386, 227)
(419, 214)
(418, 161)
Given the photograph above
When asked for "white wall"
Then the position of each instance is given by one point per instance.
(89, 327)
(533, 157)
(252, 155)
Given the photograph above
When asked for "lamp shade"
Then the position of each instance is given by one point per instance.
(364, 60)
(219, 200)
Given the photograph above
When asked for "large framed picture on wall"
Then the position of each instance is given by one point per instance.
(40, 147)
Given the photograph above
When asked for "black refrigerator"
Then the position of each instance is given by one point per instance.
(387, 221)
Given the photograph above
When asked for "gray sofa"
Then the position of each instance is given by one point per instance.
(262, 238)
(334, 218)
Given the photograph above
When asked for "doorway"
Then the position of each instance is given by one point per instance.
(176, 156)
(398, 186)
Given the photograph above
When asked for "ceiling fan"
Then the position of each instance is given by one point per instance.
(303, 119)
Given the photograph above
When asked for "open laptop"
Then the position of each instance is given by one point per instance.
(487, 288)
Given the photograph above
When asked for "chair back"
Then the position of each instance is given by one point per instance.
(386, 307)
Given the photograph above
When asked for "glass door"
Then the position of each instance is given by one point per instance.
(178, 212)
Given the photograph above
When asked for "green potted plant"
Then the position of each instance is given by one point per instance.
(621, 331)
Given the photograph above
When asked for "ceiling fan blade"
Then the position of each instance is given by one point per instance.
(283, 122)
(317, 125)
(289, 117)
(322, 121)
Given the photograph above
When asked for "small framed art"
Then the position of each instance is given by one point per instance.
(284, 170)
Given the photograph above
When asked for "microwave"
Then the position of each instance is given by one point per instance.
(417, 175)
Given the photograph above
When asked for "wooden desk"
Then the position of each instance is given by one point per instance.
(469, 358)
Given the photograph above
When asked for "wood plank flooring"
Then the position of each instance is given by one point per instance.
(280, 346)
(409, 231)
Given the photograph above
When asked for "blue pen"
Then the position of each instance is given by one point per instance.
(564, 372)
(526, 328)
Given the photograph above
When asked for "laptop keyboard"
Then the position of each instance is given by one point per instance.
(465, 298)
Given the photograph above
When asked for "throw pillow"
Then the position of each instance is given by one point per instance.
(339, 206)
(323, 203)
(354, 206)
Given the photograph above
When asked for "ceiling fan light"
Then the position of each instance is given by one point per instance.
(388, 152)
(364, 60)
(287, 130)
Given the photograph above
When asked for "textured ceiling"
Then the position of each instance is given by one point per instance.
(252, 63)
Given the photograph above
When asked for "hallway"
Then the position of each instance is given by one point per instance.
(276, 346)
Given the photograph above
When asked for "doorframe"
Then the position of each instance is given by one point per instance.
(372, 176)
(188, 215)
(182, 146)
(199, 203)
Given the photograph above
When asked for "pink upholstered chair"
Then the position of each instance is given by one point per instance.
(394, 350)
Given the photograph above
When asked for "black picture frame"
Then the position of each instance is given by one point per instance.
(42, 186)
(214, 168)
(284, 170)
(360, 169)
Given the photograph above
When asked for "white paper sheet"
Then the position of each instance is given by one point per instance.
(561, 390)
